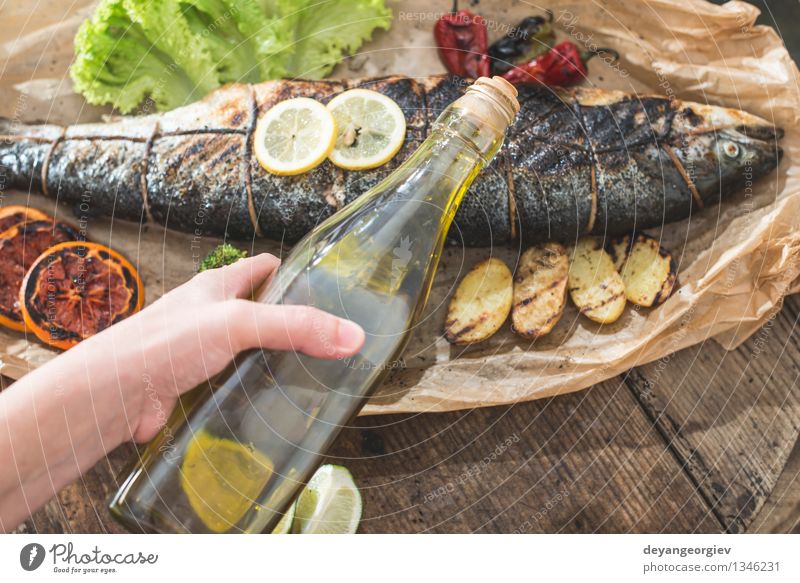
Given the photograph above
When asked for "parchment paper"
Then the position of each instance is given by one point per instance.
(737, 261)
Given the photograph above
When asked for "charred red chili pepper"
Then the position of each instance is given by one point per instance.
(532, 37)
(463, 43)
(561, 66)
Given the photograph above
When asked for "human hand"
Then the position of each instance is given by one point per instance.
(194, 331)
(123, 383)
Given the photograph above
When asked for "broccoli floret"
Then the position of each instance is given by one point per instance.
(221, 256)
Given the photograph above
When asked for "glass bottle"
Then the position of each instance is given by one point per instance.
(236, 458)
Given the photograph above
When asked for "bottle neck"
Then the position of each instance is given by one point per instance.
(484, 139)
(481, 115)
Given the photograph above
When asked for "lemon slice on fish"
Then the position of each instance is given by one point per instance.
(294, 136)
(329, 504)
(370, 129)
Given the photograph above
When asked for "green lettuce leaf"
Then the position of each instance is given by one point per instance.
(116, 62)
(325, 30)
(176, 51)
(243, 42)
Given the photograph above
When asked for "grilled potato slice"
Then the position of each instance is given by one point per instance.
(595, 285)
(481, 303)
(649, 273)
(618, 248)
(540, 290)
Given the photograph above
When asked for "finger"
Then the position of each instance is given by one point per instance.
(241, 279)
(298, 328)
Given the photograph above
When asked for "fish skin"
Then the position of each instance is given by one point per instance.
(574, 163)
(84, 173)
(177, 177)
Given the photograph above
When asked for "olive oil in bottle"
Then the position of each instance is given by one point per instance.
(235, 460)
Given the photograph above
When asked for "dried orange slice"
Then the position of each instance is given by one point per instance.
(76, 289)
(20, 246)
(16, 214)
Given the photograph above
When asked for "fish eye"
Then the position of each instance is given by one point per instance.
(731, 149)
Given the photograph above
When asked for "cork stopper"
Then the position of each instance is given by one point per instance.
(490, 101)
(503, 93)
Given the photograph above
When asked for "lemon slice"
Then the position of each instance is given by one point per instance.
(370, 128)
(222, 479)
(294, 136)
(329, 504)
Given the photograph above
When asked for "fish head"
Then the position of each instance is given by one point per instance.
(723, 150)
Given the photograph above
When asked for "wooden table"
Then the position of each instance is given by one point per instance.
(697, 442)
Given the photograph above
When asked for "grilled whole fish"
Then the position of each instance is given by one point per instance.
(580, 162)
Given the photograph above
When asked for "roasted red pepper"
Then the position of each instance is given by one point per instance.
(463, 43)
(561, 66)
(532, 37)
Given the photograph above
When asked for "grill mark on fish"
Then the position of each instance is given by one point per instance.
(148, 147)
(220, 158)
(604, 164)
(426, 126)
(118, 137)
(194, 149)
(198, 132)
(590, 152)
(65, 138)
(512, 201)
(248, 153)
(698, 200)
(593, 212)
(48, 156)
(13, 138)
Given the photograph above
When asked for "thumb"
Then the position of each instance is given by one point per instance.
(297, 328)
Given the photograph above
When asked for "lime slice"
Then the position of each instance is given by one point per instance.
(285, 525)
(222, 479)
(294, 136)
(330, 504)
(370, 129)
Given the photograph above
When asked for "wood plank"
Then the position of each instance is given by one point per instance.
(731, 418)
(781, 512)
(584, 462)
(81, 507)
